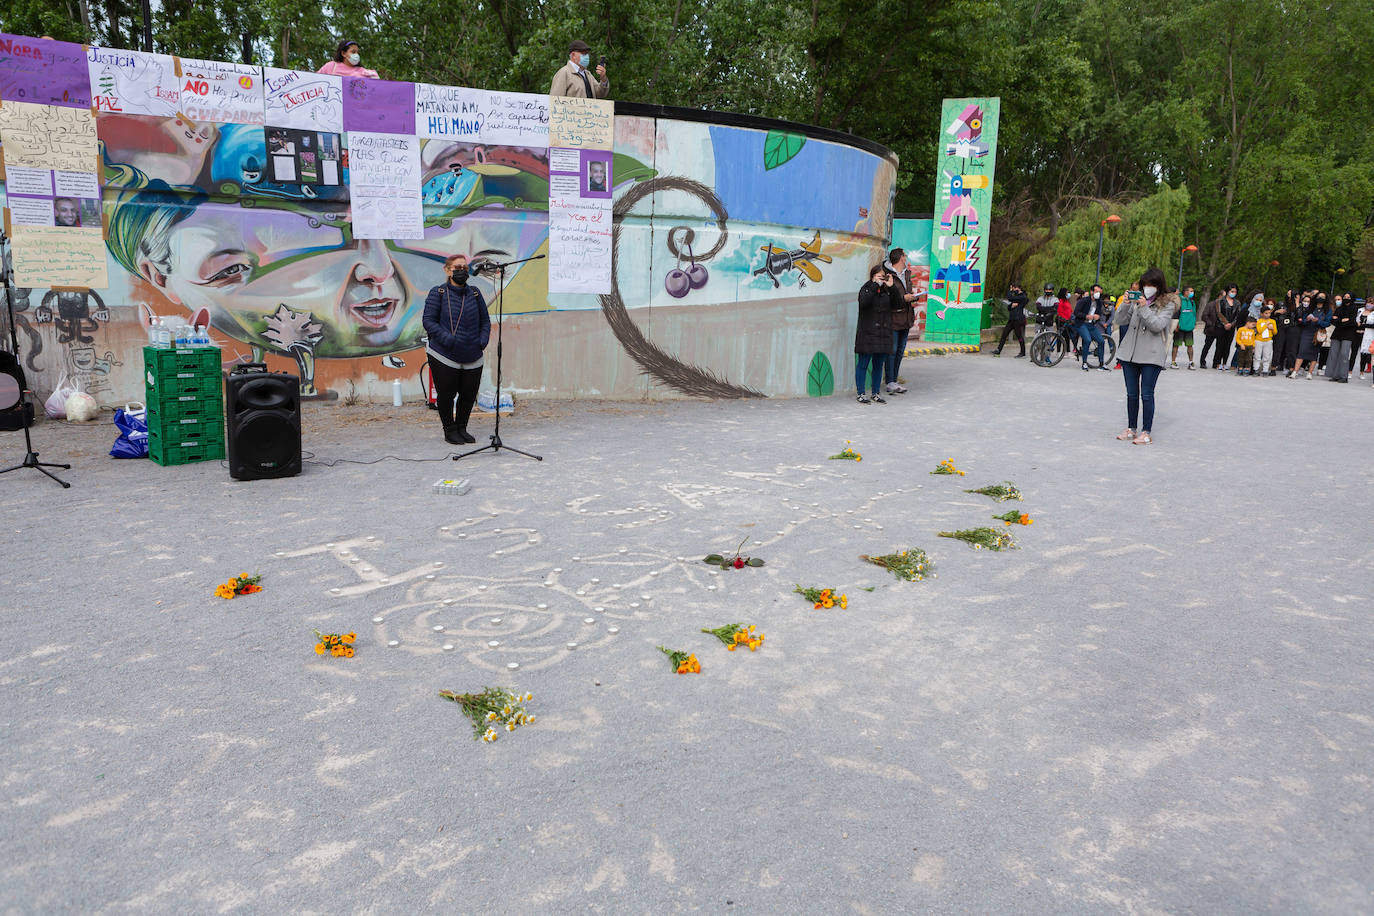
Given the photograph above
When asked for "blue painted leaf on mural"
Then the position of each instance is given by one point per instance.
(820, 378)
(780, 146)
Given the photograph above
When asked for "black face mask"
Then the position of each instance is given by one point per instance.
(460, 275)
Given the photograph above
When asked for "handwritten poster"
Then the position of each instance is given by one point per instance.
(384, 186)
(481, 115)
(43, 71)
(132, 82)
(45, 257)
(303, 101)
(40, 197)
(581, 123)
(225, 93)
(580, 221)
(378, 106)
(48, 137)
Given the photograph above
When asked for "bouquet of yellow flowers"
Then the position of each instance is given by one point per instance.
(1012, 517)
(683, 662)
(493, 708)
(339, 645)
(947, 467)
(734, 635)
(847, 454)
(242, 584)
(823, 597)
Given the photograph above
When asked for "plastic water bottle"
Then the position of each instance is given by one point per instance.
(164, 334)
(395, 392)
(183, 336)
(154, 333)
(200, 337)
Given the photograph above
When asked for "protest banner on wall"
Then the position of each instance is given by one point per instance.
(580, 221)
(47, 256)
(481, 116)
(963, 206)
(132, 82)
(303, 100)
(220, 92)
(384, 186)
(43, 71)
(576, 123)
(378, 106)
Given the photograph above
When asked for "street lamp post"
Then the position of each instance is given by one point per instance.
(1181, 253)
(1102, 228)
(1340, 272)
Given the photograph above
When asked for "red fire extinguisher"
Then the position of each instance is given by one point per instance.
(427, 383)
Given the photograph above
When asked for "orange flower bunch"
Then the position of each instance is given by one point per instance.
(683, 662)
(823, 597)
(734, 635)
(242, 584)
(947, 467)
(847, 454)
(339, 645)
(1012, 517)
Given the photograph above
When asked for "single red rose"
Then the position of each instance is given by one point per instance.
(739, 562)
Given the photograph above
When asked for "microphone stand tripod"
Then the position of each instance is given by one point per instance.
(496, 443)
(30, 456)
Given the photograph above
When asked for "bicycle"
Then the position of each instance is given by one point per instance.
(1052, 344)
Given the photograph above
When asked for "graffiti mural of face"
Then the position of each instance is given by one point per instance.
(243, 264)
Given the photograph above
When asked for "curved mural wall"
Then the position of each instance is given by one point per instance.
(738, 250)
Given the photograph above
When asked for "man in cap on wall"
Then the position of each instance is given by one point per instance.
(574, 79)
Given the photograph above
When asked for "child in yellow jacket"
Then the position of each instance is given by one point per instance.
(1245, 348)
(1266, 329)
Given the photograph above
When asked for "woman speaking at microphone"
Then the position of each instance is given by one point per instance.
(458, 327)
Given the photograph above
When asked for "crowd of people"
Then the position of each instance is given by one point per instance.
(1255, 336)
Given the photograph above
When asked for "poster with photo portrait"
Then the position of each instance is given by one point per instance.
(597, 181)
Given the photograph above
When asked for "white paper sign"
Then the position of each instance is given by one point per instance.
(213, 90)
(383, 160)
(387, 213)
(579, 245)
(76, 184)
(481, 116)
(133, 82)
(304, 101)
(29, 181)
(30, 211)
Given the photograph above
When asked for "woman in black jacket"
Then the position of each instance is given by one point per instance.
(458, 327)
(1313, 316)
(1286, 339)
(1344, 333)
(873, 333)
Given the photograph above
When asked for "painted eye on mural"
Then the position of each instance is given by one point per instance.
(234, 273)
(975, 123)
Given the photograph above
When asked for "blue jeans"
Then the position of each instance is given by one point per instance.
(862, 362)
(898, 351)
(1140, 393)
(1090, 333)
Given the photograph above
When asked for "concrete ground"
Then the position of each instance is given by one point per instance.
(1164, 702)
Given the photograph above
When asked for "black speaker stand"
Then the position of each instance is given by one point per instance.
(30, 456)
(496, 443)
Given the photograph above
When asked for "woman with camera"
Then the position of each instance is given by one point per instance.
(873, 333)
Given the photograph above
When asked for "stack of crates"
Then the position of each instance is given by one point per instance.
(185, 398)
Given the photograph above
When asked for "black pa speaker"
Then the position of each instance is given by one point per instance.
(262, 416)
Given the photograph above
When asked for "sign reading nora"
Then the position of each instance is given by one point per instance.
(963, 206)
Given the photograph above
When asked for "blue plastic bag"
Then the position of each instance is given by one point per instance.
(132, 441)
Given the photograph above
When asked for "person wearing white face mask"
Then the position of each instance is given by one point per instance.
(347, 57)
(1144, 351)
(574, 79)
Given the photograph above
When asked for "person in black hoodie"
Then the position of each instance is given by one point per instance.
(873, 332)
(457, 328)
(1016, 320)
(1286, 343)
(1344, 333)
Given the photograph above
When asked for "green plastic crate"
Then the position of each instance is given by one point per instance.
(164, 363)
(174, 410)
(182, 385)
(175, 452)
(190, 429)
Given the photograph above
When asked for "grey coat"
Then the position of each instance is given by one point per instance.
(1148, 330)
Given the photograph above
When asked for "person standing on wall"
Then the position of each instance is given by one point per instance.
(347, 57)
(458, 327)
(1143, 351)
(1016, 320)
(572, 78)
(873, 333)
(903, 315)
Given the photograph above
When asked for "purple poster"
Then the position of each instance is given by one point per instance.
(43, 72)
(378, 106)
